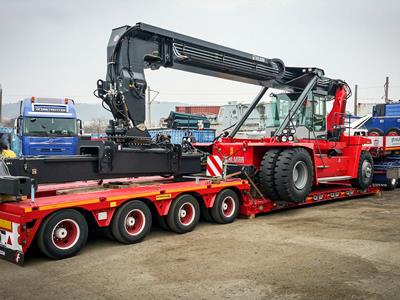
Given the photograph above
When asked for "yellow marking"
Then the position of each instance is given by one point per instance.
(5, 224)
(69, 204)
(113, 204)
(163, 196)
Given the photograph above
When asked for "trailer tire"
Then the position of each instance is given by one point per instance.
(375, 132)
(267, 171)
(393, 132)
(131, 223)
(184, 214)
(365, 171)
(294, 175)
(226, 207)
(62, 234)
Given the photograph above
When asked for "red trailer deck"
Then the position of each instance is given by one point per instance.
(59, 215)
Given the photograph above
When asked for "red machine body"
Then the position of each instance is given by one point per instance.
(336, 160)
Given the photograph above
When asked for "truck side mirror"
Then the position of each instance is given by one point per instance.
(79, 124)
(18, 126)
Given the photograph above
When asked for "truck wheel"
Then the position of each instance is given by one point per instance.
(294, 175)
(131, 223)
(375, 132)
(184, 214)
(226, 207)
(365, 171)
(267, 171)
(391, 184)
(63, 234)
(393, 132)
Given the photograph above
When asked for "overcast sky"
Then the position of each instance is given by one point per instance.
(58, 48)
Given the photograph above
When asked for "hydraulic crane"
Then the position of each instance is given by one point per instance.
(283, 165)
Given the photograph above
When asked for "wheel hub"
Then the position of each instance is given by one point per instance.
(183, 213)
(300, 175)
(367, 169)
(135, 221)
(186, 214)
(228, 207)
(65, 234)
(61, 233)
(130, 221)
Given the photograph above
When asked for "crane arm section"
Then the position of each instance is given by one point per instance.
(132, 49)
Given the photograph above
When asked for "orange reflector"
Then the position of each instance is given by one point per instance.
(32, 99)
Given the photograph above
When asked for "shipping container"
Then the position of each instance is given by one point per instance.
(198, 110)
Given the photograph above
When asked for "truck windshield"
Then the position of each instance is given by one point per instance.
(40, 126)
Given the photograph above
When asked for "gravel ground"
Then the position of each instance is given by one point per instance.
(342, 250)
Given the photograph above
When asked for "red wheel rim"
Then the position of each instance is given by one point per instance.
(186, 214)
(65, 234)
(135, 221)
(392, 133)
(228, 206)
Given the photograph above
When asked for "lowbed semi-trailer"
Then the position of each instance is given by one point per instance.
(58, 217)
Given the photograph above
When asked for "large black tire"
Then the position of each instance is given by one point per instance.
(62, 234)
(226, 207)
(294, 175)
(267, 172)
(365, 171)
(184, 214)
(131, 222)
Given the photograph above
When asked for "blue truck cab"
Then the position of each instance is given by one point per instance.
(385, 120)
(48, 126)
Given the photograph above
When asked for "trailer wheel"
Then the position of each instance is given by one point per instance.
(183, 214)
(63, 234)
(267, 171)
(375, 132)
(294, 175)
(391, 184)
(393, 132)
(131, 223)
(365, 171)
(226, 207)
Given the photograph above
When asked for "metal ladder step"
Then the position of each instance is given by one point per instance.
(333, 178)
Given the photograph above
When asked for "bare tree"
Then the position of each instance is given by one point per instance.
(96, 126)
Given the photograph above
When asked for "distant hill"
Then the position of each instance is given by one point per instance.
(87, 112)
